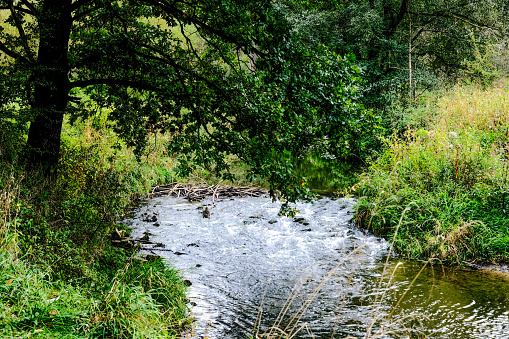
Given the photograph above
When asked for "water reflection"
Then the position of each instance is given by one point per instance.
(246, 255)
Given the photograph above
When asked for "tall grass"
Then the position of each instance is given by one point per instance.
(381, 322)
(59, 274)
(452, 173)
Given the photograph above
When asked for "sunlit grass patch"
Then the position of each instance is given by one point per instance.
(31, 303)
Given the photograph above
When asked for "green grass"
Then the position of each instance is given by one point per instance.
(452, 177)
(60, 277)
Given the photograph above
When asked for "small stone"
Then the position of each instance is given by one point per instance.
(193, 245)
(150, 218)
(199, 265)
(187, 282)
(206, 213)
(180, 253)
(273, 221)
(306, 230)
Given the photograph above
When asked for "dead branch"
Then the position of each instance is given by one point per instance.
(199, 191)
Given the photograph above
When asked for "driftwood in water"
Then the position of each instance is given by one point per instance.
(197, 192)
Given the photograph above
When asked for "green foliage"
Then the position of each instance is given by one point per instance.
(447, 184)
(443, 40)
(220, 77)
(328, 177)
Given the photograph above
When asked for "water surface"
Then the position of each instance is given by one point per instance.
(247, 264)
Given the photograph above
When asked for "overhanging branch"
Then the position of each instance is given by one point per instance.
(13, 54)
(21, 32)
(170, 8)
(121, 82)
(31, 8)
(77, 4)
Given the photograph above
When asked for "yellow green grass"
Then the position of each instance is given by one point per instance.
(452, 174)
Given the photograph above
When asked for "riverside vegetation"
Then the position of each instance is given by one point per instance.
(446, 179)
(222, 79)
(440, 186)
(59, 274)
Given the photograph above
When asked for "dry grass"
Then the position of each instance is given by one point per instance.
(379, 324)
(9, 189)
(464, 108)
(455, 172)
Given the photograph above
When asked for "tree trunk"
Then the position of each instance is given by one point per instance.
(51, 83)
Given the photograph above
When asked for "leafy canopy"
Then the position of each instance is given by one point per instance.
(223, 77)
(444, 40)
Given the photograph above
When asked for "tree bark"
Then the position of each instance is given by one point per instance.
(51, 83)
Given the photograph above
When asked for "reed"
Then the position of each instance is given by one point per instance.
(380, 323)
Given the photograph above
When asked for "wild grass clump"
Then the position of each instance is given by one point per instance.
(31, 302)
(59, 274)
(381, 322)
(453, 176)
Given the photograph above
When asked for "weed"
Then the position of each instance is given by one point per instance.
(454, 172)
(59, 275)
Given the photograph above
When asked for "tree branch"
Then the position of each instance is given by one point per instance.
(20, 9)
(13, 54)
(120, 82)
(170, 8)
(85, 13)
(21, 32)
(401, 14)
(173, 63)
(77, 4)
(464, 18)
(30, 7)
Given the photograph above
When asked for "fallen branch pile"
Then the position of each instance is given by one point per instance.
(197, 192)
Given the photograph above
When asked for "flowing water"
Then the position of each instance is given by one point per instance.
(252, 270)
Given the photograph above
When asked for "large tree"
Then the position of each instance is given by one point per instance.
(224, 76)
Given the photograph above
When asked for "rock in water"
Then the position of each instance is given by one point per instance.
(150, 218)
(206, 213)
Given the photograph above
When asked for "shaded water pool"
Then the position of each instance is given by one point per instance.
(252, 271)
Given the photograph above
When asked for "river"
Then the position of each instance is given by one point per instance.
(257, 274)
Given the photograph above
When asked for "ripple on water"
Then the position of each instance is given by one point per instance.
(245, 254)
